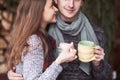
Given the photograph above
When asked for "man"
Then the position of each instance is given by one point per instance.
(73, 26)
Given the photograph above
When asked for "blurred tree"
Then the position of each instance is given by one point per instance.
(102, 12)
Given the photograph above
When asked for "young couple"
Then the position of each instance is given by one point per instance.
(31, 47)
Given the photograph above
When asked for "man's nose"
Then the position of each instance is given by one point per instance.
(71, 3)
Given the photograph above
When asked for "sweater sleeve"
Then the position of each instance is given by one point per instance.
(33, 62)
(104, 71)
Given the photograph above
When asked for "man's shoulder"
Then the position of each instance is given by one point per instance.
(100, 35)
(97, 28)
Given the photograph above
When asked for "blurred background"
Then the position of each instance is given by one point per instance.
(105, 13)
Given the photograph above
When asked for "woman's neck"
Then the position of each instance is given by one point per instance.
(43, 24)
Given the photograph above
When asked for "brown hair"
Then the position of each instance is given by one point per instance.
(27, 22)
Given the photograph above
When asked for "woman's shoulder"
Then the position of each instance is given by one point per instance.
(33, 40)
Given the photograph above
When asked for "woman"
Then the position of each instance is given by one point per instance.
(30, 42)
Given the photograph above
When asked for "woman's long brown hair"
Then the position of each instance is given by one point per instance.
(27, 21)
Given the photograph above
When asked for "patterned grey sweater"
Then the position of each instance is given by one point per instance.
(32, 63)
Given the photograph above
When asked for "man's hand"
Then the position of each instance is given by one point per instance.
(99, 55)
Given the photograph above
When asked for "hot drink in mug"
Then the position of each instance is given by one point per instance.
(86, 51)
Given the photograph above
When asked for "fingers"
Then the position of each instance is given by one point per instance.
(72, 58)
(67, 54)
(99, 53)
(70, 46)
(73, 54)
(14, 76)
(73, 51)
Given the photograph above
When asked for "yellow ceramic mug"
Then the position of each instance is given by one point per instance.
(86, 51)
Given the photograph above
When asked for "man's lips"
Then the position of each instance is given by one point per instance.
(70, 10)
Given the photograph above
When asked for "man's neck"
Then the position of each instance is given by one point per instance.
(68, 22)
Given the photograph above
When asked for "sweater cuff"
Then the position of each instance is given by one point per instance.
(99, 68)
(57, 67)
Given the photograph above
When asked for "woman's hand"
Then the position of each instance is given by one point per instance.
(99, 55)
(14, 76)
(68, 53)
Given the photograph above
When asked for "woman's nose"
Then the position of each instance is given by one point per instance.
(56, 9)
